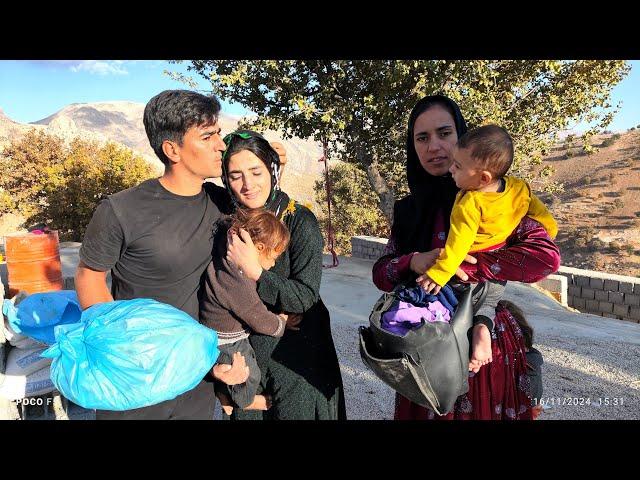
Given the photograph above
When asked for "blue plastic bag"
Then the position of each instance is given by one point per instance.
(38, 314)
(130, 354)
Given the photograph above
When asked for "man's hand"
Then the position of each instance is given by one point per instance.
(242, 252)
(292, 319)
(282, 153)
(233, 374)
(460, 273)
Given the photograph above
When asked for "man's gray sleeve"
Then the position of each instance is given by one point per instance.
(103, 240)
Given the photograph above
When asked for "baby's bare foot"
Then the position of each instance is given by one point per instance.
(474, 367)
(480, 347)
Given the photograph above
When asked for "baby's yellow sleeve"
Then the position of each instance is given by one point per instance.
(465, 221)
(539, 212)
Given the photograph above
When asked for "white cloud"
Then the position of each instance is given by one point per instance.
(100, 67)
(55, 63)
(154, 63)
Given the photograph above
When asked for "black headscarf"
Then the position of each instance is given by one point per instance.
(252, 141)
(414, 215)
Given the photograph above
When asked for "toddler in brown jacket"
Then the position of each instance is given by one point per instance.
(230, 304)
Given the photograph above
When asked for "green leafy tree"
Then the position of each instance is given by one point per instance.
(568, 141)
(22, 163)
(349, 218)
(360, 107)
(70, 180)
(88, 173)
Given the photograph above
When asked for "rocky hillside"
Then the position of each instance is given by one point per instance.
(121, 122)
(599, 211)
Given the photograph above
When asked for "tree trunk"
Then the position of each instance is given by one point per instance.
(379, 186)
(376, 180)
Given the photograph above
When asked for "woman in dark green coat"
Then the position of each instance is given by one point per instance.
(300, 370)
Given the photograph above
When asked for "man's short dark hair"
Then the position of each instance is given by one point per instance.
(491, 146)
(171, 113)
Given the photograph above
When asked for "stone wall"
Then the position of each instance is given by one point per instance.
(370, 248)
(605, 294)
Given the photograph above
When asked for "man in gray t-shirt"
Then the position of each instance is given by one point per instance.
(156, 238)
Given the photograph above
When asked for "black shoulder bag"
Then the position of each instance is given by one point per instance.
(430, 364)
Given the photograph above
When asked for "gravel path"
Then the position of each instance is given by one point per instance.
(592, 363)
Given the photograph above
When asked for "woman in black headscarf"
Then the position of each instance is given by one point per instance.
(300, 371)
(420, 224)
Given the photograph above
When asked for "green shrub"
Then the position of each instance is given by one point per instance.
(580, 242)
(22, 164)
(354, 209)
(615, 246)
(595, 244)
(61, 185)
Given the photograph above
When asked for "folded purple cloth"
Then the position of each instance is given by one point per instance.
(403, 316)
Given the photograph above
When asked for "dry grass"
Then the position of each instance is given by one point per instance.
(601, 201)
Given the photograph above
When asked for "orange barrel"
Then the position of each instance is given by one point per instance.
(33, 262)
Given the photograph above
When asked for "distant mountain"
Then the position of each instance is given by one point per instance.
(117, 121)
(65, 129)
(121, 122)
(10, 129)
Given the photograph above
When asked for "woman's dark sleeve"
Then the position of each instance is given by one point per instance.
(301, 290)
(530, 256)
(391, 268)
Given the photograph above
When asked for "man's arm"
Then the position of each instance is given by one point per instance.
(101, 246)
(282, 154)
(91, 286)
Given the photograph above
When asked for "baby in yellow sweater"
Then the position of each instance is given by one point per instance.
(489, 206)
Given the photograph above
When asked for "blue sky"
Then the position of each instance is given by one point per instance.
(32, 90)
